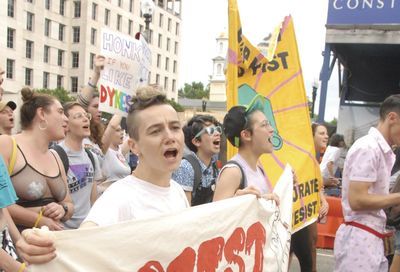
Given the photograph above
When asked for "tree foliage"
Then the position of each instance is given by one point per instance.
(196, 90)
(60, 93)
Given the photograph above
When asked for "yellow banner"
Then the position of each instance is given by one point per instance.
(280, 81)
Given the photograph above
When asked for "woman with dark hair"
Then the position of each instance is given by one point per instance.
(38, 175)
(330, 164)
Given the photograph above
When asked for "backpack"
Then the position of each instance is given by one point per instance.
(64, 157)
(200, 195)
(243, 180)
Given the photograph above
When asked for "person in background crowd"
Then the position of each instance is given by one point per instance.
(38, 175)
(115, 165)
(156, 136)
(330, 165)
(359, 242)
(7, 117)
(81, 174)
(202, 137)
(100, 135)
(250, 131)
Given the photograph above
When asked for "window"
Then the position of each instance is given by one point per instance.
(150, 41)
(107, 17)
(93, 32)
(169, 24)
(74, 84)
(174, 85)
(94, 11)
(10, 37)
(175, 66)
(60, 81)
(10, 8)
(166, 83)
(62, 7)
(159, 40)
(28, 76)
(177, 29)
(30, 1)
(46, 54)
(166, 64)
(47, 26)
(29, 49)
(161, 20)
(10, 69)
(157, 79)
(168, 43)
(130, 5)
(29, 21)
(158, 60)
(120, 3)
(76, 34)
(119, 18)
(60, 57)
(77, 9)
(140, 29)
(46, 77)
(91, 60)
(61, 31)
(130, 24)
(47, 4)
(75, 59)
(176, 48)
(219, 69)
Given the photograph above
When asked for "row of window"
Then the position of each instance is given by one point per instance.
(10, 71)
(61, 31)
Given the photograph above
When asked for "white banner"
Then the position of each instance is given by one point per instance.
(127, 67)
(241, 233)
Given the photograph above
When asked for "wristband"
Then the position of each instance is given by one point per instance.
(38, 218)
(22, 267)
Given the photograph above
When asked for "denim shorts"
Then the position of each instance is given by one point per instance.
(397, 242)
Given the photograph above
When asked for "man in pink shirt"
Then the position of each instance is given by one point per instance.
(365, 193)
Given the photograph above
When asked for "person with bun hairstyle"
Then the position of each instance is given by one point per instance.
(38, 175)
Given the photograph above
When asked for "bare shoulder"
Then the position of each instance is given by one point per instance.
(6, 147)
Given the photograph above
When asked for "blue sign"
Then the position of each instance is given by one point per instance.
(363, 12)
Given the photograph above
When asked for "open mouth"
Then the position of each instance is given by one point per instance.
(85, 127)
(217, 142)
(171, 153)
(11, 120)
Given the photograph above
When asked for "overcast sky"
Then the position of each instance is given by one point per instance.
(204, 20)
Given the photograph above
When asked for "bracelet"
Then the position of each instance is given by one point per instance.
(91, 85)
(38, 218)
(22, 267)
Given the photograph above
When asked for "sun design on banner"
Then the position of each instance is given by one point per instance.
(276, 76)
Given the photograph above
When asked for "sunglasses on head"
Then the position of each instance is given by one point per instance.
(211, 130)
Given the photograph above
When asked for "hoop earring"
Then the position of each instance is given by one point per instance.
(41, 127)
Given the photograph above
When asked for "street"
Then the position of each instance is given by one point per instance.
(325, 261)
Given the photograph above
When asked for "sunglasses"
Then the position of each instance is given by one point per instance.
(211, 130)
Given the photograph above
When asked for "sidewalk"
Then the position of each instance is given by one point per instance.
(325, 261)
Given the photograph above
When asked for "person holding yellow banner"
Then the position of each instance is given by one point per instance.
(248, 129)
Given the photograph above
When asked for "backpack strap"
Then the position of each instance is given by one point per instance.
(243, 180)
(91, 157)
(197, 171)
(63, 156)
(13, 158)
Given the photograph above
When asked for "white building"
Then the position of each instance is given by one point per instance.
(217, 80)
(52, 43)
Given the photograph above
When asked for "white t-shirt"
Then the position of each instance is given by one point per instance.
(133, 198)
(115, 166)
(332, 154)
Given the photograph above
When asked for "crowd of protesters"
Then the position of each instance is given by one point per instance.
(77, 173)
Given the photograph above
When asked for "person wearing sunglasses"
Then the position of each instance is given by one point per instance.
(248, 129)
(81, 173)
(198, 170)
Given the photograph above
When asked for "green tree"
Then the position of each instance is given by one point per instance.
(60, 93)
(196, 90)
